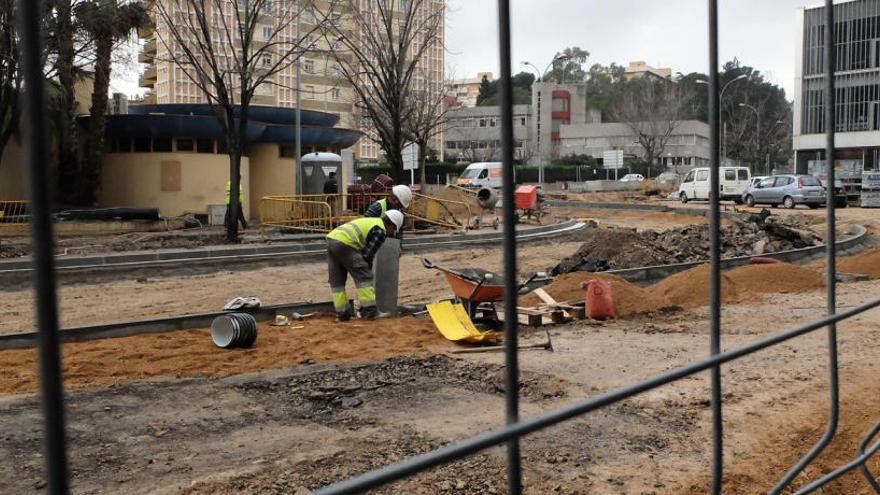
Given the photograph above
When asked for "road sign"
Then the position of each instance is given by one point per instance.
(612, 159)
(411, 156)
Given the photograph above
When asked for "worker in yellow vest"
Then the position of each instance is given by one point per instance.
(351, 248)
(240, 216)
(399, 199)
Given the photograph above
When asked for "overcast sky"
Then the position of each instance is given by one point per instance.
(663, 33)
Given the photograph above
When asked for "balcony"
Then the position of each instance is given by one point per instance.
(148, 80)
(148, 52)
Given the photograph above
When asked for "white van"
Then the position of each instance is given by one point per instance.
(481, 174)
(732, 182)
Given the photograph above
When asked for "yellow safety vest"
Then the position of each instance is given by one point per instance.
(240, 195)
(354, 233)
(384, 204)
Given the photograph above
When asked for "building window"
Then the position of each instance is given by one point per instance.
(267, 60)
(162, 145)
(184, 144)
(309, 91)
(309, 66)
(142, 145)
(205, 145)
(334, 94)
(267, 32)
(482, 122)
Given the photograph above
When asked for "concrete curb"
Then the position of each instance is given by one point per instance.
(699, 212)
(242, 254)
(24, 340)
(647, 274)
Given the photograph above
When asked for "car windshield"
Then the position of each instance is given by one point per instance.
(809, 180)
(471, 173)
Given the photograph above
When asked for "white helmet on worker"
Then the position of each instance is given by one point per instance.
(396, 217)
(403, 194)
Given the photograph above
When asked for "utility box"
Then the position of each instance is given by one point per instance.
(316, 168)
(526, 197)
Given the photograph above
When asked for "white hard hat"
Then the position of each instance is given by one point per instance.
(396, 217)
(403, 194)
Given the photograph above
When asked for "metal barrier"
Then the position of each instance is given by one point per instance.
(47, 317)
(310, 213)
(443, 212)
(324, 212)
(14, 215)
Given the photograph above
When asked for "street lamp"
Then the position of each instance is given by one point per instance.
(757, 126)
(541, 75)
(720, 98)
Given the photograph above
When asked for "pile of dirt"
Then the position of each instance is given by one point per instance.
(459, 204)
(628, 298)
(617, 248)
(867, 263)
(687, 289)
(191, 353)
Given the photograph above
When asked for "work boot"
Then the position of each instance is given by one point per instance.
(343, 316)
(369, 312)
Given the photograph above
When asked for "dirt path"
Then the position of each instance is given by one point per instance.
(126, 299)
(300, 428)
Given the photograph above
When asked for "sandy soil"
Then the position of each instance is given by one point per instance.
(126, 299)
(301, 428)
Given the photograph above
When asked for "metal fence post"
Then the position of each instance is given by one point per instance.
(715, 252)
(511, 361)
(37, 162)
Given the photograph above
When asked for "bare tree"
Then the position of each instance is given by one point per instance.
(382, 61)
(229, 49)
(652, 109)
(427, 118)
(10, 75)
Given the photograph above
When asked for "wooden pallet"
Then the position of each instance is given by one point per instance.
(550, 311)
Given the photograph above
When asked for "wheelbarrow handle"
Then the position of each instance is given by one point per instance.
(528, 280)
(428, 264)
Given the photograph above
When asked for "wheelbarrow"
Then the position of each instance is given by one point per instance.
(476, 289)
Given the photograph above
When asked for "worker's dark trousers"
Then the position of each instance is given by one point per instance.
(240, 217)
(343, 260)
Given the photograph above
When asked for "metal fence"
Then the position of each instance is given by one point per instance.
(46, 297)
(14, 216)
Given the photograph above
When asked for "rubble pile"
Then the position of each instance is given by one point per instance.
(617, 248)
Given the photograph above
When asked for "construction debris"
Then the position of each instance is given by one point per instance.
(618, 248)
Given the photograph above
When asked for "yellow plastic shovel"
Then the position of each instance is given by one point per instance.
(453, 322)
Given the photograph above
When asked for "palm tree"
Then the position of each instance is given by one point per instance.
(106, 22)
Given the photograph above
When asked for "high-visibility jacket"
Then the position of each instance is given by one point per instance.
(354, 233)
(240, 195)
(377, 209)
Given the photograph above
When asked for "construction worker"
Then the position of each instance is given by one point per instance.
(240, 217)
(350, 251)
(399, 199)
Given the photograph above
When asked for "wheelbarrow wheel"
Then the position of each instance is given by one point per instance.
(487, 324)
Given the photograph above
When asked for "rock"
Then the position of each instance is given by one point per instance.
(460, 485)
(351, 402)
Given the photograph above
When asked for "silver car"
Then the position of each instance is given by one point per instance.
(787, 190)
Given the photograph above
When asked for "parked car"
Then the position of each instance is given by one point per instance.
(632, 178)
(732, 182)
(788, 190)
(756, 179)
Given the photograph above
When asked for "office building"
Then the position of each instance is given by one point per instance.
(474, 134)
(466, 91)
(857, 90)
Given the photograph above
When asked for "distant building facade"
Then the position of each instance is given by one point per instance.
(465, 91)
(474, 134)
(857, 89)
(686, 148)
(640, 68)
(553, 106)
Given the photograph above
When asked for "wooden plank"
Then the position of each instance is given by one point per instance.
(544, 296)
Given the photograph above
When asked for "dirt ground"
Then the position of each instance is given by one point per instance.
(295, 429)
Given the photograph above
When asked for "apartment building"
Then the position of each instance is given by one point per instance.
(322, 87)
(640, 68)
(465, 91)
(553, 106)
(857, 90)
